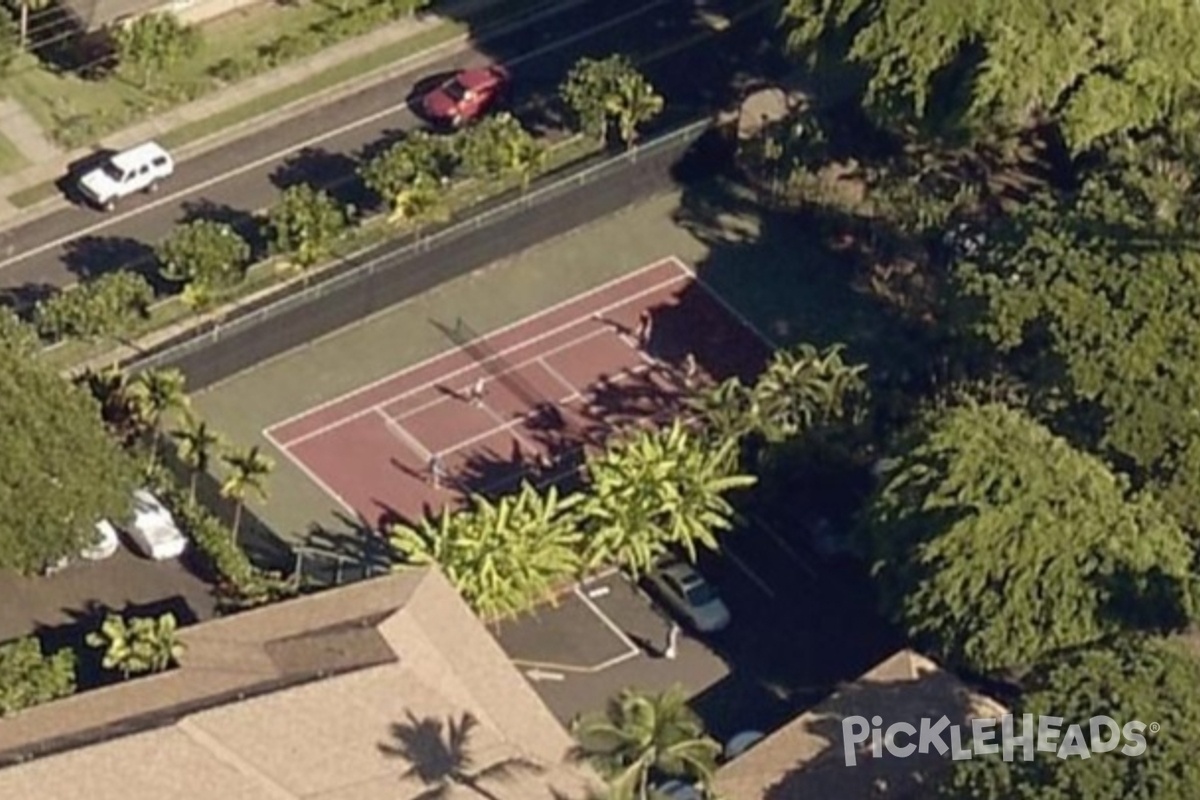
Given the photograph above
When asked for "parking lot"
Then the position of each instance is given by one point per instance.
(800, 626)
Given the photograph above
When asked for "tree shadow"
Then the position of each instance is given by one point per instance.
(68, 184)
(335, 173)
(89, 257)
(331, 557)
(22, 299)
(439, 755)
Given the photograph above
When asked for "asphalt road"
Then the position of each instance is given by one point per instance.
(324, 146)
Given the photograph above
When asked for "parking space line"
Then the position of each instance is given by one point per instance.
(751, 574)
(606, 621)
(784, 546)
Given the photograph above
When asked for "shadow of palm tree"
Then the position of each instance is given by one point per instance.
(441, 758)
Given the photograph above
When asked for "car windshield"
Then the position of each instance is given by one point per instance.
(699, 594)
(110, 169)
(455, 91)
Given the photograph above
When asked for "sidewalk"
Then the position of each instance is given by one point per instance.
(53, 166)
(23, 131)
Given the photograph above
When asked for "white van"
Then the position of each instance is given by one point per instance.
(138, 169)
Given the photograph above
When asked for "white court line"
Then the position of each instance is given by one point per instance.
(442, 379)
(771, 344)
(446, 354)
(312, 476)
(608, 623)
(402, 433)
(279, 154)
(744, 567)
(437, 401)
(521, 440)
(784, 546)
(558, 376)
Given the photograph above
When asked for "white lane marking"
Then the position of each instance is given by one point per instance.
(312, 476)
(751, 574)
(784, 546)
(280, 154)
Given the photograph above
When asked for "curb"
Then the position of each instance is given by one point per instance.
(305, 104)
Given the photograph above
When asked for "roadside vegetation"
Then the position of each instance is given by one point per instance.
(415, 183)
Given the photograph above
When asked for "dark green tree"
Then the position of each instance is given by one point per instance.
(419, 154)
(607, 93)
(499, 147)
(206, 256)
(1151, 681)
(29, 677)
(61, 472)
(305, 224)
(996, 543)
(993, 67)
(107, 306)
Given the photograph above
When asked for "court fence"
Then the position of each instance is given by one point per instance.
(373, 261)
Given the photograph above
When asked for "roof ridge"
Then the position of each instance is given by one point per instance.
(222, 753)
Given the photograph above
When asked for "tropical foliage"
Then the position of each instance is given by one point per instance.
(1094, 68)
(205, 256)
(1128, 680)
(197, 444)
(610, 93)
(642, 738)
(248, 470)
(143, 644)
(29, 677)
(654, 491)
(106, 306)
(505, 556)
(305, 223)
(997, 544)
(150, 45)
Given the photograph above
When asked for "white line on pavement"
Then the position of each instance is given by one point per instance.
(278, 155)
(751, 574)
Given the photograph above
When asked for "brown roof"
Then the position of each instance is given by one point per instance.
(805, 758)
(375, 690)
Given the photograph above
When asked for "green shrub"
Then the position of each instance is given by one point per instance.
(28, 677)
(107, 306)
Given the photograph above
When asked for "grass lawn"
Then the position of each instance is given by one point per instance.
(76, 112)
(11, 159)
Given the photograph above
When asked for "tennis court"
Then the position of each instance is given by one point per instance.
(524, 402)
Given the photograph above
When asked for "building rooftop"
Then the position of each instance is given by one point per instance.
(381, 690)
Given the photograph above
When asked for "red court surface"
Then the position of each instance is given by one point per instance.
(555, 384)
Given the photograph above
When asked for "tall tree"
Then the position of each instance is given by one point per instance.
(248, 469)
(420, 153)
(656, 490)
(498, 147)
(1154, 682)
(158, 393)
(197, 443)
(642, 737)
(504, 557)
(1094, 300)
(305, 223)
(204, 255)
(996, 544)
(60, 472)
(1094, 67)
(105, 306)
(29, 677)
(152, 44)
(610, 91)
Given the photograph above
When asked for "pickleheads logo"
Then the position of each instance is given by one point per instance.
(987, 736)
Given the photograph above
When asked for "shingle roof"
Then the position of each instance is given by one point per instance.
(805, 758)
(372, 691)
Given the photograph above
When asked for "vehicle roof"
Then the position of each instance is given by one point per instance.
(681, 571)
(139, 154)
(478, 76)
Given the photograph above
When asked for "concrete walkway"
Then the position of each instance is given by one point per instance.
(51, 167)
(23, 131)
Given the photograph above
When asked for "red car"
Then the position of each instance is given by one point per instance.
(465, 97)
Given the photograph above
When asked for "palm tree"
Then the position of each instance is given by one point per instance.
(197, 443)
(143, 645)
(112, 389)
(248, 469)
(503, 557)
(441, 758)
(157, 393)
(656, 490)
(641, 737)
